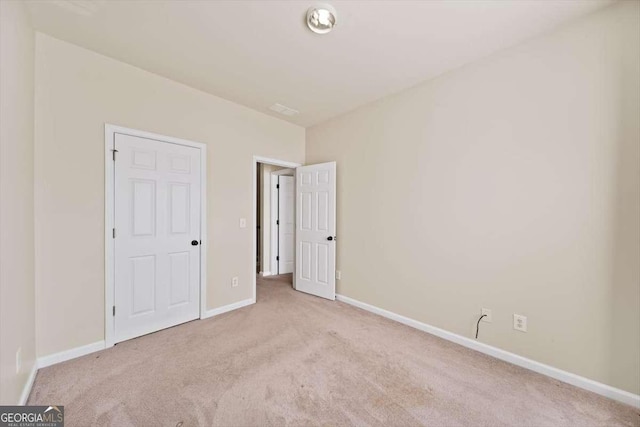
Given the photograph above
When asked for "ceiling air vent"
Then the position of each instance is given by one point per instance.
(284, 110)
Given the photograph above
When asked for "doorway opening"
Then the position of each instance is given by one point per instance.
(276, 220)
(274, 208)
(301, 235)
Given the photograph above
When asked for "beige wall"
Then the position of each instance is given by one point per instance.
(77, 92)
(511, 184)
(17, 294)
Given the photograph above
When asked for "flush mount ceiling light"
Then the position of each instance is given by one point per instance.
(321, 19)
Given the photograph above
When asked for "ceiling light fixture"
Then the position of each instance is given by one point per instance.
(321, 19)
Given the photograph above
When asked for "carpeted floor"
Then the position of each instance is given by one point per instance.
(294, 359)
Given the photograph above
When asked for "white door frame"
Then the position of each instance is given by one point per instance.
(109, 218)
(274, 216)
(273, 162)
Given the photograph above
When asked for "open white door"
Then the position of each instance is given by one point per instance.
(316, 230)
(285, 224)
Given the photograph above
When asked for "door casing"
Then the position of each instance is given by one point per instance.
(109, 216)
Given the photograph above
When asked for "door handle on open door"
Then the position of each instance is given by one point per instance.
(331, 238)
(194, 242)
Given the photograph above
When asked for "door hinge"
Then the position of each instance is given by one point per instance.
(114, 233)
(277, 222)
(278, 186)
(277, 258)
(114, 151)
(114, 310)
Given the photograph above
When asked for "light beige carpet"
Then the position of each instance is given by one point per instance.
(294, 359)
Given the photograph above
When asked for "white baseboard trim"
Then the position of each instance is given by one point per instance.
(73, 353)
(63, 356)
(265, 273)
(541, 368)
(229, 307)
(29, 384)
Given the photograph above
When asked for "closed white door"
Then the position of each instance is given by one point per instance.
(316, 230)
(157, 235)
(286, 224)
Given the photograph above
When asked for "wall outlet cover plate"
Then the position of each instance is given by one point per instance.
(520, 322)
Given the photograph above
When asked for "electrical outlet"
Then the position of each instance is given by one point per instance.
(520, 322)
(234, 282)
(18, 360)
(243, 222)
(487, 313)
(338, 274)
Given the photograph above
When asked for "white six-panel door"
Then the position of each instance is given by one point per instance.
(157, 235)
(286, 223)
(316, 230)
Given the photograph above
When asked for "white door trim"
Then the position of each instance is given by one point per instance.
(109, 249)
(286, 172)
(268, 161)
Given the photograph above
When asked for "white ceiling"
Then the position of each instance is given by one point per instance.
(258, 53)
